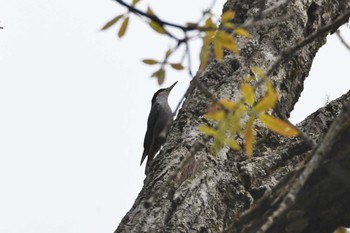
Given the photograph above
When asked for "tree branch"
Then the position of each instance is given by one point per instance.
(342, 40)
(289, 52)
(154, 18)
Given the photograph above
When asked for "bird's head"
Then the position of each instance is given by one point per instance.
(162, 93)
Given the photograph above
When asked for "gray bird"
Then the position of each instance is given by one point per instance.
(159, 121)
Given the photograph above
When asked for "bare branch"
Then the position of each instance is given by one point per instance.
(154, 18)
(342, 40)
(286, 54)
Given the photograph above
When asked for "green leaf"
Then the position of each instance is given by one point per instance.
(150, 61)
(177, 66)
(123, 28)
(111, 22)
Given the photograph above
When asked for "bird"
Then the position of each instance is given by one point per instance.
(159, 121)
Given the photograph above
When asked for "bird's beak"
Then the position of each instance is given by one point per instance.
(171, 87)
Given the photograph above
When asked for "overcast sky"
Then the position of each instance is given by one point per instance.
(74, 103)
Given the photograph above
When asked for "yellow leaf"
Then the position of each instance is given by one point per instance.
(249, 137)
(340, 230)
(123, 28)
(204, 55)
(248, 78)
(242, 32)
(208, 38)
(218, 50)
(209, 25)
(168, 53)
(111, 22)
(207, 130)
(221, 135)
(228, 42)
(150, 12)
(134, 2)
(233, 144)
(150, 61)
(229, 25)
(232, 47)
(228, 104)
(279, 126)
(227, 15)
(160, 75)
(217, 145)
(177, 66)
(218, 115)
(268, 101)
(225, 37)
(258, 72)
(157, 27)
(248, 93)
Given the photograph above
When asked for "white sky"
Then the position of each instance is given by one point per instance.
(73, 109)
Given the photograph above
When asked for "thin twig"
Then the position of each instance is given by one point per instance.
(286, 54)
(342, 39)
(154, 18)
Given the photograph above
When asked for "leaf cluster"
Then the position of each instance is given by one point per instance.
(220, 38)
(160, 73)
(234, 120)
(125, 21)
(215, 39)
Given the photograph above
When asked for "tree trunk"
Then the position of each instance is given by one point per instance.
(288, 185)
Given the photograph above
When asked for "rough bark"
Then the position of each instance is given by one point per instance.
(321, 202)
(210, 194)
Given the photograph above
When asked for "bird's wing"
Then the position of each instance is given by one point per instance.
(152, 119)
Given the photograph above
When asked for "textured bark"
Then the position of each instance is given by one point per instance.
(210, 194)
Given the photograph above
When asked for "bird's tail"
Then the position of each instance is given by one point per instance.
(143, 156)
(148, 164)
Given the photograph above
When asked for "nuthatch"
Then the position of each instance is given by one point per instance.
(159, 121)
